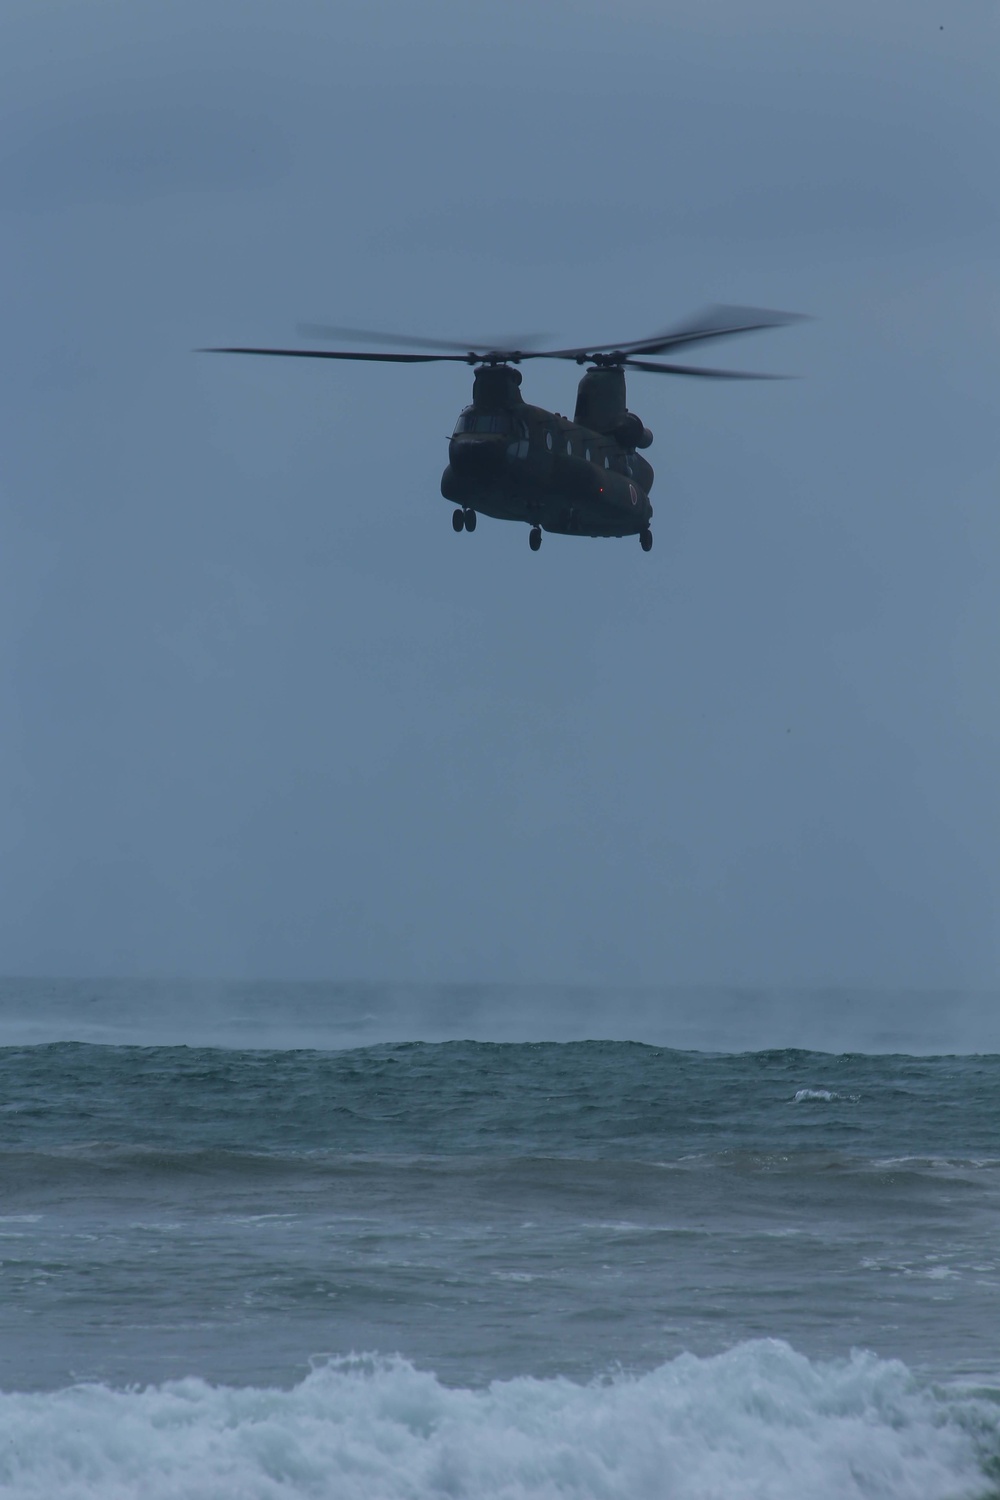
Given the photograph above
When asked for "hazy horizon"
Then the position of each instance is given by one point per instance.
(338, 1016)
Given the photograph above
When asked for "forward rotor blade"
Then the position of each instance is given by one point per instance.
(510, 343)
(371, 335)
(657, 368)
(393, 359)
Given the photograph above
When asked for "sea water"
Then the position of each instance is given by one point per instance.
(281, 1241)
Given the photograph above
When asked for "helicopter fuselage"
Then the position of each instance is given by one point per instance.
(547, 471)
(521, 463)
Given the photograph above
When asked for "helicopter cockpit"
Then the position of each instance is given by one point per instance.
(473, 419)
(501, 423)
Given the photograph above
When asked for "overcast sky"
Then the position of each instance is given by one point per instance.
(264, 713)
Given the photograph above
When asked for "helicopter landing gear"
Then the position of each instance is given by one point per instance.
(470, 520)
(535, 538)
(458, 520)
(646, 539)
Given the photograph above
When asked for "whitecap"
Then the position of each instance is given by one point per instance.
(824, 1096)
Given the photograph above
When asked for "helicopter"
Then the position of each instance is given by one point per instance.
(515, 462)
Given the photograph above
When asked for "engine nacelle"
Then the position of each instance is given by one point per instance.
(631, 433)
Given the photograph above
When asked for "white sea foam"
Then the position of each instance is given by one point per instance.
(759, 1421)
(825, 1096)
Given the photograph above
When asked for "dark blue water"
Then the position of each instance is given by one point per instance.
(505, 1229)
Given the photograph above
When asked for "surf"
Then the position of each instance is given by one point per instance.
(359, 1427)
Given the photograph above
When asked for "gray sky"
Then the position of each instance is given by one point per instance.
(265, 714)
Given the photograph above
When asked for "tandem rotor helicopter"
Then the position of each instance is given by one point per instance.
(516, 462)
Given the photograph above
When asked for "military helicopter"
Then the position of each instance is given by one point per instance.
(516, 462)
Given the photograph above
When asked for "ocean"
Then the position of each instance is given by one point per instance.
(286, 1240)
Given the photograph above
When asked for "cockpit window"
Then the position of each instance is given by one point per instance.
(473, 420)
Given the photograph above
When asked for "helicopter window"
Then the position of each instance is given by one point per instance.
(569, 446)
(586, 454)
(607, 462)
(548, 440)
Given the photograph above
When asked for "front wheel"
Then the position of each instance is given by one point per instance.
(458, 520)
(470, 520)
(646, 539)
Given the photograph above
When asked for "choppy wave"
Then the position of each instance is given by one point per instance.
(106, 1164)
(759, 1420)
(488, 1209)
(580, 1099)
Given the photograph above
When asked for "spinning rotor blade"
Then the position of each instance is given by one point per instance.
(394, 359)
(510, 343)
(713, 323)
(370, 335)
(654, 367)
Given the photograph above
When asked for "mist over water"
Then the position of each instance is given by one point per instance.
(282, 1014)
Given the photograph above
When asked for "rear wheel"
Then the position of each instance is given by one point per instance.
(458, 520)
(535, 538)
(646, 539)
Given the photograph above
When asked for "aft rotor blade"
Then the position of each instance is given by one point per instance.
(394, 359)
(657, 368)
(713, 323)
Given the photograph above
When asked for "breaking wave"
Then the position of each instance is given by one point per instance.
(759, 1420)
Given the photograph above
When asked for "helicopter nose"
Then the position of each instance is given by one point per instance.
(476, 455)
